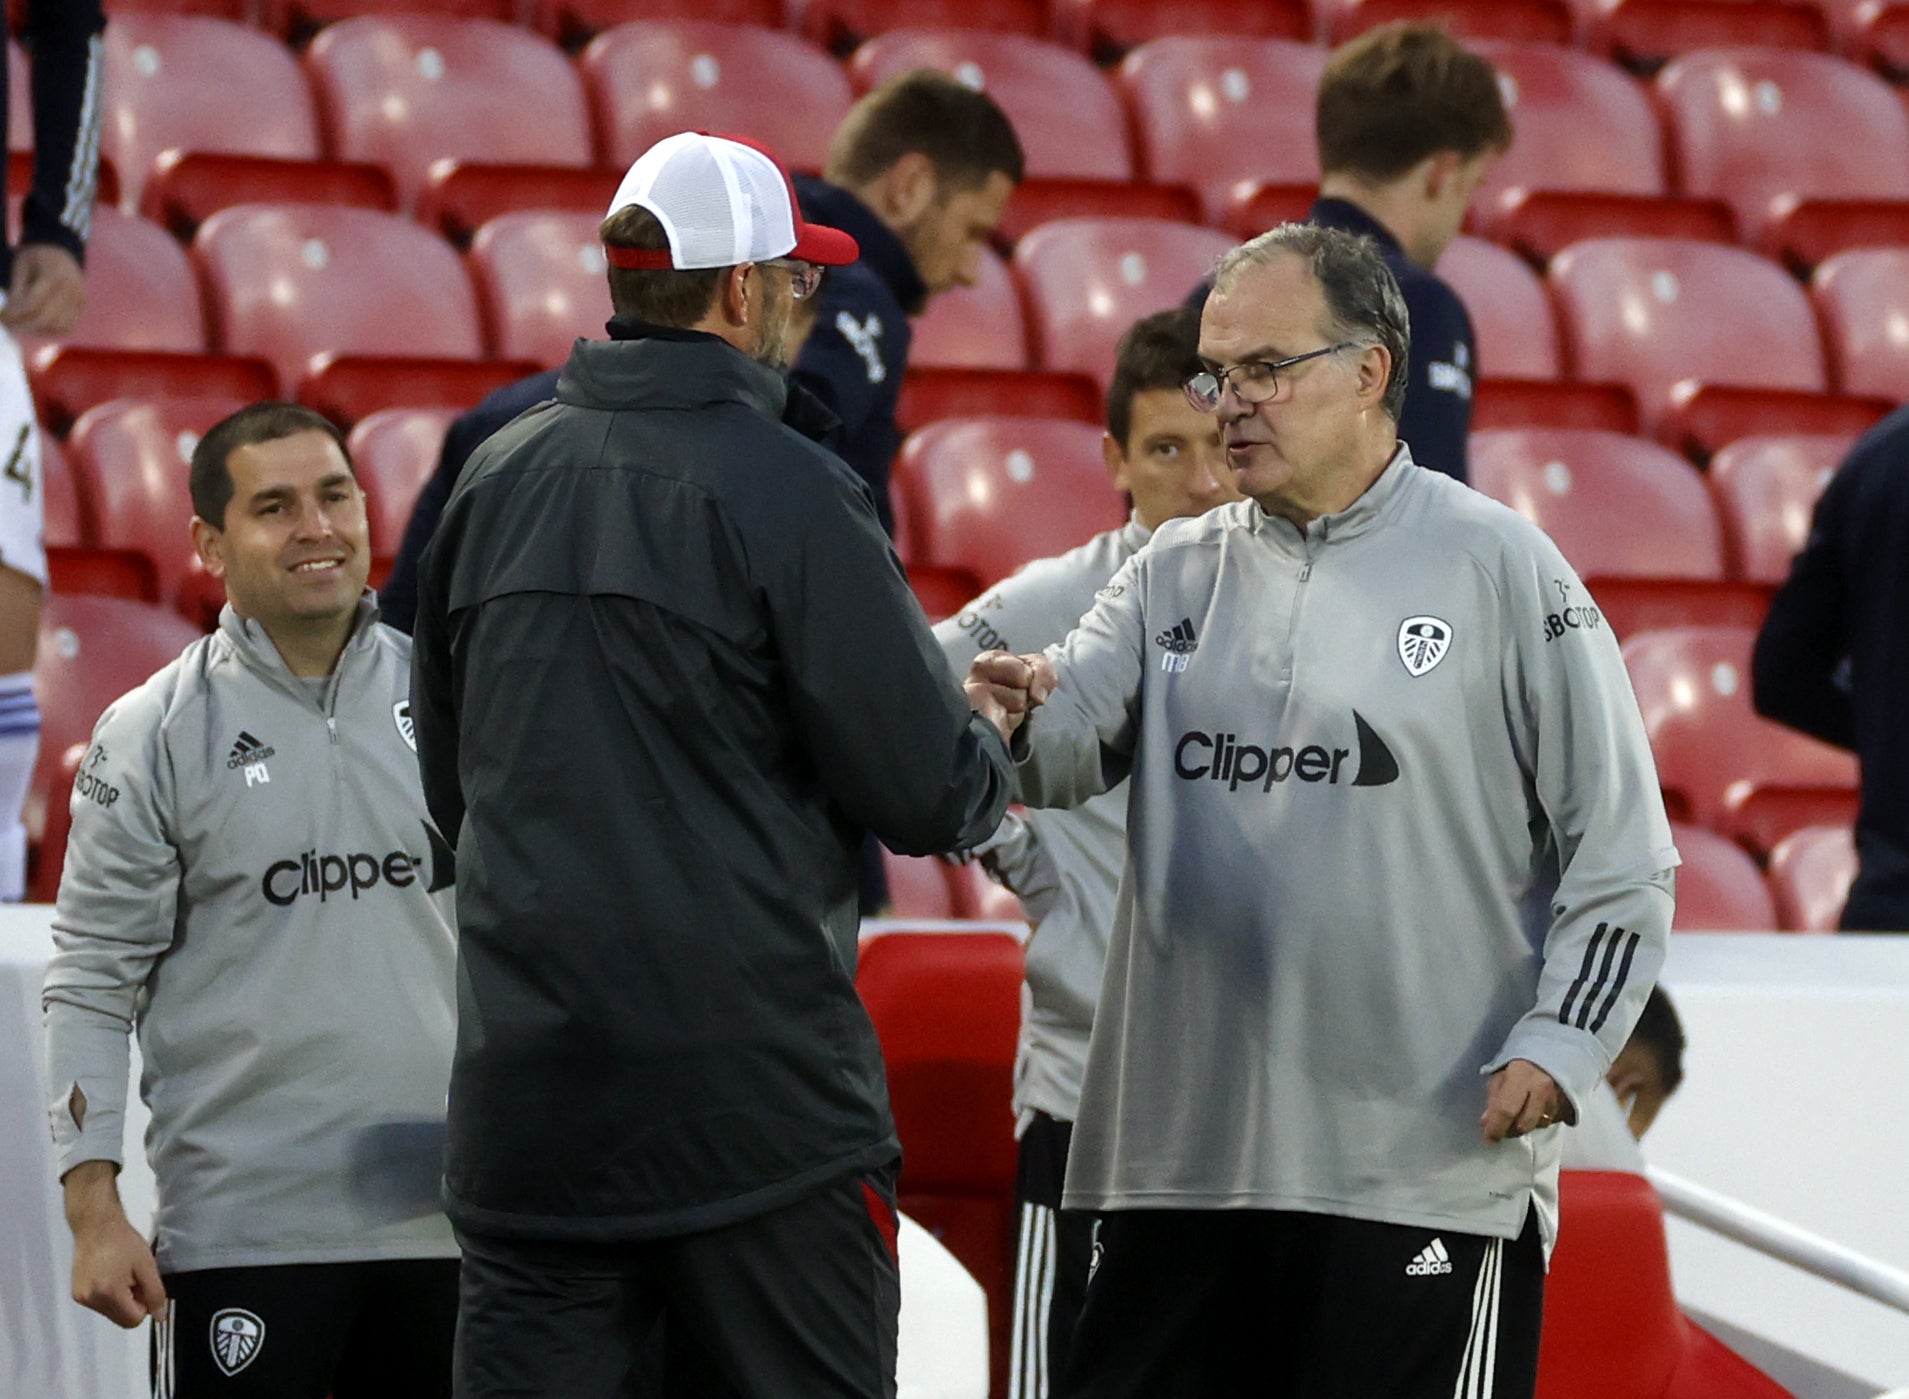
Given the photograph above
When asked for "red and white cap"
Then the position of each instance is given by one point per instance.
(722, 200)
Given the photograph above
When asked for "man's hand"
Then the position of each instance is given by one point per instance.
(46, 294)
(113, 1269)
(1005, 689)
(1521, 1098)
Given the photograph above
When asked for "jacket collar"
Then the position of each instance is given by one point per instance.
(1348, 217)
(254, 648)
(664, 367)
(883, 252)
(1367, 511)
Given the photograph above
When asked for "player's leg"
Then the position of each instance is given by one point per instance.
(541, 1320)
(800, 1303)
(252, 1333)
(1052, 1252)
(22, 588)
(1158, 1318)
(399, 1345)
(1460, 1314)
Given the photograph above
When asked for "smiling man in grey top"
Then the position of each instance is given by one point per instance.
(1392, 828)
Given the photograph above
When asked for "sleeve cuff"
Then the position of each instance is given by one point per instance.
(1574, 1058)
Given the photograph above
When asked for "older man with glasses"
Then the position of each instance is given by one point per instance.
(1398, 884)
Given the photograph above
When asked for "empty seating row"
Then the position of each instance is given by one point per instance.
(1640, 32)
(1752, 131)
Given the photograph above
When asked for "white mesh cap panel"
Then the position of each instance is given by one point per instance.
(719, 202)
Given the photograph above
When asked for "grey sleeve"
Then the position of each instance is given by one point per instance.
(1081, 741)
(1582, 741)
(116, 914)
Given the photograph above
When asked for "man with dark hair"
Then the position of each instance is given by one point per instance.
(41, 292)
(1387, 835)
(252, 885)
(667, 669)
(1065, 865)
(1831, 659)
(1409, 123)
(1647, 1070)
(919, 173)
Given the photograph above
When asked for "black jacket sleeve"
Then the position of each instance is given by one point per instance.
(894, 740)
(1799, 671)
(434, 702)
(68, 63)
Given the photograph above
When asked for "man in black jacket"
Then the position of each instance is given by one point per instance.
(918, 175)
(1832, 660)
(666, 667)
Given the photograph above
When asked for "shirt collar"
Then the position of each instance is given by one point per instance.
(1356, 518)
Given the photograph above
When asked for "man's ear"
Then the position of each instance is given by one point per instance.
(210, 544)
(906, 190)
(739, 292)
(1375, 371)
(1115, 456)
(1438, 170)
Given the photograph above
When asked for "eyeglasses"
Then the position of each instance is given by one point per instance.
(804, 277)
(1254, 381)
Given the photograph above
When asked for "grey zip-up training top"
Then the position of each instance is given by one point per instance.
(1064, 864)
(251, 883)
(1393, 823)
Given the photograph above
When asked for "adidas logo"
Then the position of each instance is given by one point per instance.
(247, 750)
(1179, 639)
(1431, 1261)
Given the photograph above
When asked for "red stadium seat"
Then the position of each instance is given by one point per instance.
(1654, 312)
(1040, 200)
(293, 282)
(69, 523)
(348, 388)
(1107, 29)
(393, 453)
(1219, 113)
(1720, 764)
(988, 494)
(1609, 1278)
(977, 327)
(1254, 208)
(19, 99)
(1517, 21)
(650, 80)
(299, 18)
(930, 394)
(918, 886)
(1719, 887)
(47, 858)
(1766, 490)
(123, 573)
(1548, 403)
(67, 380)
(841, 25)
(132, 460)
(1512, 321)
(1540, 223)
(188, 187)
(175, 82)
(1066, 114)
(1876, 35)
(1633, 518)
(1810, 873)
(1862, 299)
(1704, 418)
(461, 196)
(947, 1007)
(1751, 125)
(140, 291)
(540, 280)
(404, 90)
(1555, 95)
(239, 10)
(574, 22)
(1643, 34)
(1087, 280)
(1803, 233)
(92, 651)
